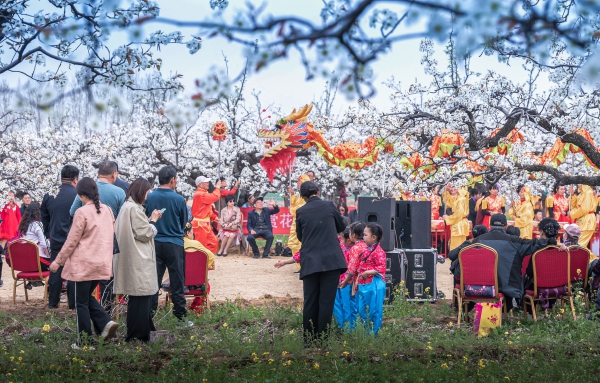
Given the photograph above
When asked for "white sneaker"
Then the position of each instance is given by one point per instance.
(63, 298)
(110, 330)
(74, 346)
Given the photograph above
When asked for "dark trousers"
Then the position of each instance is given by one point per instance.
(107, 297)
(55, 281)
(319, 296)
(171, 257)
(267, 235)
(139, 318)
(88, 309)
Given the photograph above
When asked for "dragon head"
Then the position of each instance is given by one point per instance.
(291, 133)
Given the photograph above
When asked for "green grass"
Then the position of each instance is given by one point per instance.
(418, 342)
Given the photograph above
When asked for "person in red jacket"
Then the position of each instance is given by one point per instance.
(202, 210)
(10, 216)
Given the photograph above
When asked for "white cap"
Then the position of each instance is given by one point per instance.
(201, 179)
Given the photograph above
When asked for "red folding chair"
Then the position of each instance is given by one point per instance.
(24, 258)
(478, 267)
(580, 258)
(196, 274)
(551, 269)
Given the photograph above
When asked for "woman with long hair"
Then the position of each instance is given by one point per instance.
(343, 209)
(87, 259)
(135, 264)
(31, 229)
(230, 225)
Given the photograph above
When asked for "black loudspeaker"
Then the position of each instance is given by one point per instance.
(394, 272)
(421, 269)
(413, 224)
(382, 212)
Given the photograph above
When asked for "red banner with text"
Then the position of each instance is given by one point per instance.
(281, 222)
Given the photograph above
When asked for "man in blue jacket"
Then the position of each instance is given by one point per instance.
(259, 225)
(168, 243)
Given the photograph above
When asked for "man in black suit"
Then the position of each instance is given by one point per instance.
(321, 259)
(57, 223)
(475, 195)
(259, 225)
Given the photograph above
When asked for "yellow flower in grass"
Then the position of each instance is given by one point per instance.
(224, 324)
(21, 352)
(345, 353)
(509, 342)
(192, 337)
(450, 324)
(465, 359)
(481, 364)
(507, 378)
(284, 353)
(444, 365)
(271, 361)
(316, 366)
(291, 332)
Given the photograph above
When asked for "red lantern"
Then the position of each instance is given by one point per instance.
(219, 131)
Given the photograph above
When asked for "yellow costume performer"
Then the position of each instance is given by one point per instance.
(583, 214)
(458, 219)
(193, 245)
(296, 203)
(524, 214)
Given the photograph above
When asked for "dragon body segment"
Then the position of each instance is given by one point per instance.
(295, 132)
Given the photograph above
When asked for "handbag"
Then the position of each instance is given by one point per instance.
(480, 291)
(115, 245)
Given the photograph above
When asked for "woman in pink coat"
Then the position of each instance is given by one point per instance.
(87, 259)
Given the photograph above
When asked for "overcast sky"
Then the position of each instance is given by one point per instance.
(284, 83)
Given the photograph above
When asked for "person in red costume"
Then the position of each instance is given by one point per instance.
(10, 216)
(202, 210)
(225, 192)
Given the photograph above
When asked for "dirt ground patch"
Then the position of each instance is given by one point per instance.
(251, 282)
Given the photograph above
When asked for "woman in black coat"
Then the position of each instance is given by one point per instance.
(321, 259)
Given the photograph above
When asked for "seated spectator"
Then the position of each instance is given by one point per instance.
(249, 201)
(190, 244)
(549, 228)
(513, 230)
(31, 229)
(511, 251)
(343, 209)
(259, 225)
(453, 254)
(571, 234)
(230, 226)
